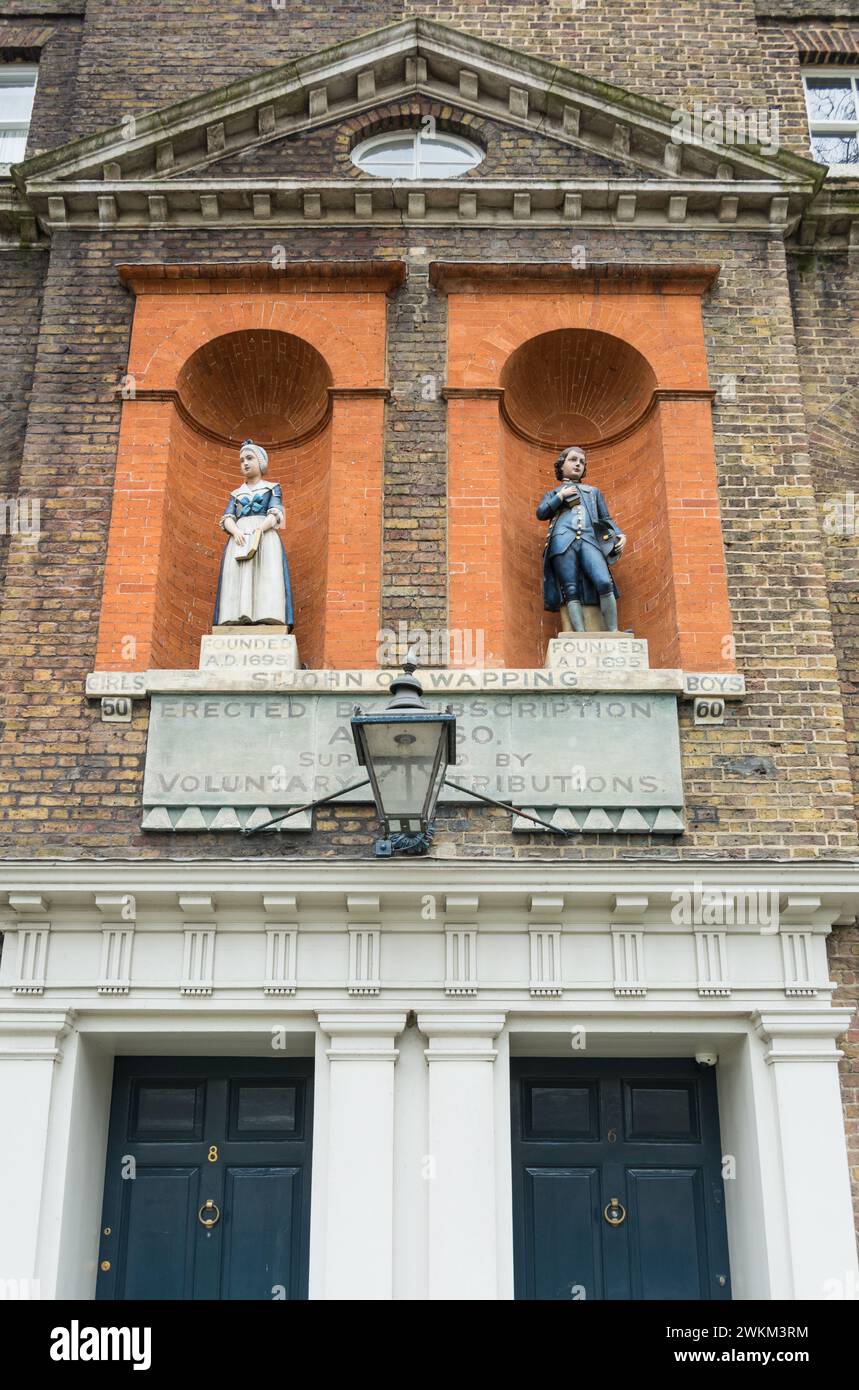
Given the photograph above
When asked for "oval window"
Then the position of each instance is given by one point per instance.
(410, 154)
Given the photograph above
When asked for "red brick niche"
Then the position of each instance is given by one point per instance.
(612, 358)
(294, 360)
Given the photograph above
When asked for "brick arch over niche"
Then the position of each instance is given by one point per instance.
(539, 358)
(213, 361)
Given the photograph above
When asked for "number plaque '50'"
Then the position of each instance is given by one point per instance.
(116, 709)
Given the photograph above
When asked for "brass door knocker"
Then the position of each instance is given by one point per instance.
(209, 1221)
(614, 1213)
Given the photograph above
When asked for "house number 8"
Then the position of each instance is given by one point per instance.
(213, 1154)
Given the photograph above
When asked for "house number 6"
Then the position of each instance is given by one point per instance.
(213, 1154)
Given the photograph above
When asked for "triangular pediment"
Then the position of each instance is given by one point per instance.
(326, 152)
(218, 154)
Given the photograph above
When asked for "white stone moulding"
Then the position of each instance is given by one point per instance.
(117, 944)
(628, 957)
(198, 965)
(798, 962)
(364, 960)
(139, 685)
(712, 952)
(546, 973)
(460, 960)
(518, 932)
(31, 959)
(281, 950)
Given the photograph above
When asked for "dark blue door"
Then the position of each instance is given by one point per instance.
(207, 1189)
(617, 1181)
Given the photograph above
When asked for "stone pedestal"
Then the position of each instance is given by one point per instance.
(249, 646)
(593, 652)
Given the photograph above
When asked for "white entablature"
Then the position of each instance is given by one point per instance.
(732, 938)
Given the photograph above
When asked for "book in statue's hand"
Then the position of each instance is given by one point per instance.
(251, 545)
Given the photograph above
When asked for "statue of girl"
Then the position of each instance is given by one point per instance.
(254, 582)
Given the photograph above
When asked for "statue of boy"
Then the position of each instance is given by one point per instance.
(582, 542)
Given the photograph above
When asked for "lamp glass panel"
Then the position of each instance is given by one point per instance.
(404, 757)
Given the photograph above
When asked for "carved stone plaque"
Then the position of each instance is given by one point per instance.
(599, 762)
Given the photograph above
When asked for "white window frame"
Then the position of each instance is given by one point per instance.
(375, 142)
(833, 70)
(7, 70)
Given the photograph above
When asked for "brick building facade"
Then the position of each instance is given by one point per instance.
(412, 357)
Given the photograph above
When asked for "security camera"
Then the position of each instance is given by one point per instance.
(706, 1059)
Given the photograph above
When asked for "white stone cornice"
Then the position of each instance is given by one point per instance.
(448, 1024)
(634, 203)
(196, 904)
(802, 1036)
(831, 220)
(629, 908)
(800, 909)
(22, 904)
(268, 883)
(365, 1036)
(33, 1035)
(280, 903)
(362, 906)
(545, 904)
(460, 1037)
(459, 906)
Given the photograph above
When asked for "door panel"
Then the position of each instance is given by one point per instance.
(617, 1180)
(561, 1204)
(207, 1189)
(159, 1208)
(660, 1114)
(562, 1112)
(166, 1110)
(258, 1238)
(667, 1232)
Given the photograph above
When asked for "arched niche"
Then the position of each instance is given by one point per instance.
(296, 362)
(591, 388)
(540, 358)
(272, 387)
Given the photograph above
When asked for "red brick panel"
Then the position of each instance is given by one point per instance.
(234, 363)
(583, 366)
(475, 548)
(698, 561)
(125, 638)
(354, 583)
